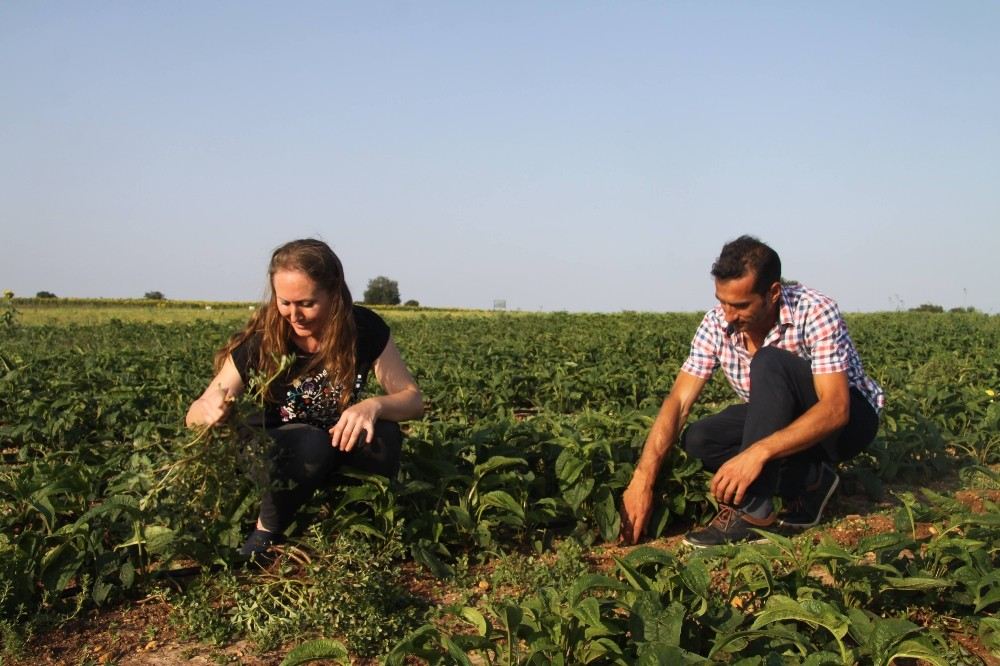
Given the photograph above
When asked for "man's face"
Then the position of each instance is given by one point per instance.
(746, 310)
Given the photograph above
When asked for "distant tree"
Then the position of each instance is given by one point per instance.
(382, 291)
(154, 295)
(966, 309)
(412, 304)
(45, 294)
(927, 307)
(8, 294)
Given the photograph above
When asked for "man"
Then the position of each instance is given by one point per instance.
(807, 403)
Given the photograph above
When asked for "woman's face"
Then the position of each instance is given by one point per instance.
(302, 302)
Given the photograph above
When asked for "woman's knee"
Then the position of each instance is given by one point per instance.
(382, 455)
(302, 452)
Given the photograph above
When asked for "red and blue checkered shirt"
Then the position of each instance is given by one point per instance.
(809, 325)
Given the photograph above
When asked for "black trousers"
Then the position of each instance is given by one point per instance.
(781, 390)
(303, 461)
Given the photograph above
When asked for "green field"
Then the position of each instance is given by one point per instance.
(496, 542)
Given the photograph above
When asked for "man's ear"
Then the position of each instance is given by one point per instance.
(774, 293)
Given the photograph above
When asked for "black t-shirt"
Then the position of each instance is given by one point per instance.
(314, 399)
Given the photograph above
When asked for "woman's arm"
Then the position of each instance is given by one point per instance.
(402, 401)
(214, 404)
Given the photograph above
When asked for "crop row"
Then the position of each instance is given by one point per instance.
(533, 427)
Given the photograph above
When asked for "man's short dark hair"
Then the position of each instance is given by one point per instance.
(745, 255)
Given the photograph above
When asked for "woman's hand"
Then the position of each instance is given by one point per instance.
(211, 408)
(216, 402)
(356, 420)
(402, 400)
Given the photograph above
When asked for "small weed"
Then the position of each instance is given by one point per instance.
(527, 573)
(200, 613)
(347, 587)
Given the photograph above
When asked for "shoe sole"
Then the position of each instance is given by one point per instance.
(822, 507)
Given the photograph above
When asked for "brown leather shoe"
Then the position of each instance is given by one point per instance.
(730, 526)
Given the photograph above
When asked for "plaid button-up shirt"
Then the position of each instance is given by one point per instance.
(809, 325)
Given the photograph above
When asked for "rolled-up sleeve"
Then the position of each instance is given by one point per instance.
(706, 347)
(826, 339)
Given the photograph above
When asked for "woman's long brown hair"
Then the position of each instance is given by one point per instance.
(338, 340)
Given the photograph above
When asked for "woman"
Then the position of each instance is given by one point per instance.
(312, 409)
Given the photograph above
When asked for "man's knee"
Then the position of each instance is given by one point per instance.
(696, 440)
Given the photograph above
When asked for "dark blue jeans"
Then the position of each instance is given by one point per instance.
(781, 390)
(304, 461)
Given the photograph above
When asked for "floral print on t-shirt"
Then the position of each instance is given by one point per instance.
(314, 400)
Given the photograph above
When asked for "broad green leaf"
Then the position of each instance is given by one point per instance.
(780, 608)
(576, 494)
(456, 653)
(498, 462)
(600, 649)
(662, 654)
(650, 621)
(568, 468)
(823, 659)
(633, 577)
(422, 553)
(606, 514)
(695, 577)
(316, 650)
(588, 582)
(99, 591)
(125, 504)
(127, 575)
(915, 649)
(510, 616)
(501, 500)
(460, 516)
(915, 583)
(476, 619)
(991, 584)
(588, 612)
(737, 641)
(158, 538)
(643, 555)
(60, 565)
(877, 542)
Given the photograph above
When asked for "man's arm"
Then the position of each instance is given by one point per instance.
(830, 413)
(637, 501)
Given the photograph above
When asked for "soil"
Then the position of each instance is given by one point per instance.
(140, 632)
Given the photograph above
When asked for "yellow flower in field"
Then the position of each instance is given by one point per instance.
(991, 393)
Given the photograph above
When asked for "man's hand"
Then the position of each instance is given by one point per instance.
(730, 483)
(637, 504)
(637, 500)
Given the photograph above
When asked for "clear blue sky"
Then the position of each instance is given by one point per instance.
(560, 155)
